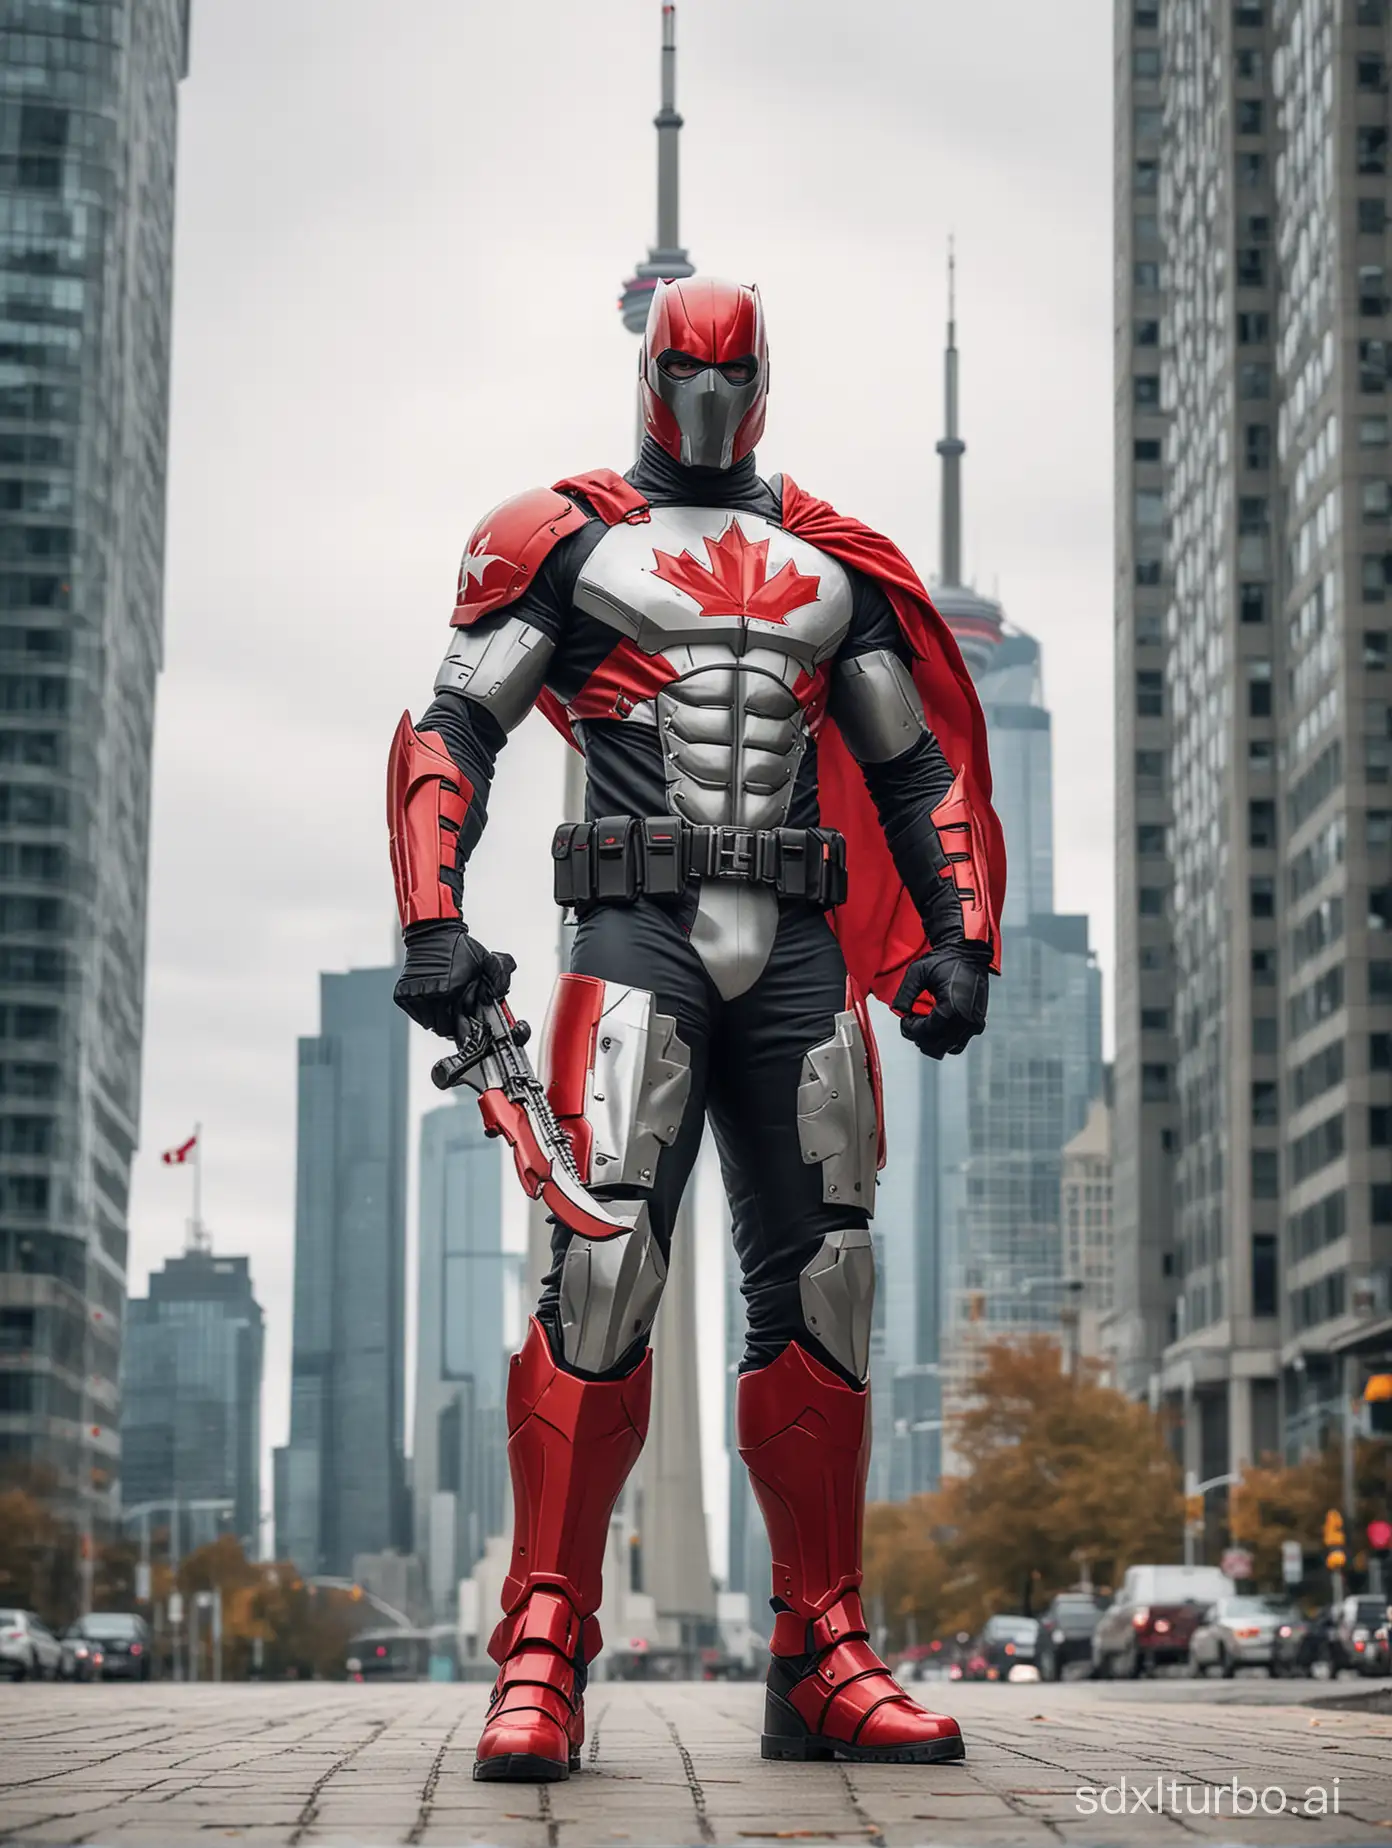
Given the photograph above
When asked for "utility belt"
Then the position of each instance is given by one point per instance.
(615, 859)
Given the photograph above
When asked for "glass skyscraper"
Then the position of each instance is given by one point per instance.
(88, 112)
(459, 1457)
(340, 1481)
(191, 1398)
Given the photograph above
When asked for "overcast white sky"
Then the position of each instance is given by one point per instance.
(402, 228)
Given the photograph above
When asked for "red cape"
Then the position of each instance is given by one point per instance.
(878, 927)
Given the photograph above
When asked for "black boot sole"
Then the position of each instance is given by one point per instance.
(786, 1737)
(523, 1768)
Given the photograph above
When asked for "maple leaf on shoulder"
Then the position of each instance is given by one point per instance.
(736, 581)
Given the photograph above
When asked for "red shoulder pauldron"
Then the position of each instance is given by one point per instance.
(509, 546)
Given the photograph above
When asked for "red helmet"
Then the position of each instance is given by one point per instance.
(704, 370)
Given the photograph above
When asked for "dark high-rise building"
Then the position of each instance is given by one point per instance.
(191, 1398)
(88, 112)
(340, 1481)
(459, 1457)
(1253, 1133)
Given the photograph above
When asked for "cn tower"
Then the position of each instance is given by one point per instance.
(672, 1515)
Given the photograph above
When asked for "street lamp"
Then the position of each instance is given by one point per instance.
(1070, 1313)
(1195, 1491)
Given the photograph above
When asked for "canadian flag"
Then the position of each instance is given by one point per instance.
(172, 1157)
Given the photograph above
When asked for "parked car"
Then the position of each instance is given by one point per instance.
(122, 1639)
(1008, 1643)
(1152, 1617)
(1296, 1644)
(1352, 1645)
(1238, 1633)
(82, 1660)
(1382, 1645)
(1065, 1632)
(28, 1648)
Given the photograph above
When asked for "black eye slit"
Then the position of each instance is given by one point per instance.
(680, 365)
(740, 371)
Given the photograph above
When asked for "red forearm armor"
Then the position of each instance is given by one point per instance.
(964, 846)
(428, 797)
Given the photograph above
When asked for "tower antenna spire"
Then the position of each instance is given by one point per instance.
(951, 447)
(666, 260)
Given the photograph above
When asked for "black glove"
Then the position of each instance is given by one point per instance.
(958, 980)
(448, 973)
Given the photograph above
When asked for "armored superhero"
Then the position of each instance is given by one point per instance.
(787, 808)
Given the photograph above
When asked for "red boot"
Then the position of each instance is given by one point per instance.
(806, 1440)
(571, 1444)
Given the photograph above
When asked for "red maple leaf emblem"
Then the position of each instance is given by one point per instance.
(736, 582)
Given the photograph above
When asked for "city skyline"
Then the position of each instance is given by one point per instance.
(307, 638)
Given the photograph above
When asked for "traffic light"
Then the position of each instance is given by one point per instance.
(1334, 1530)
(1336, 1560)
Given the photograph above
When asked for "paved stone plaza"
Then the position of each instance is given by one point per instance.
(679, 1764)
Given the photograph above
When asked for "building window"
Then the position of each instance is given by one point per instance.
(1380, 1203)
(1247, 13)
(1263, 1273)
(1262, 894)
(1377, 576)
(1380, 981)
(1147, 176)
(1155, 1084)
(1249, 115)
(1147, 334)
(1372, 365)
(1266, 1105)
(1378, 824)
(1155, 1020)
(1264, 1034)
(1266, 1174)
(1251, 269)
(1370, 12)
(1372, 217)
(1145, 277)
(1375, 648)
(1148, 572)
(1252, 513)
(1150, 509)
(1258, 445)
(1261, 754)
(1251, 171)
(1151, 901)
(1372, 150)
(1145, 64)
(1145, 449)
(1147, 15)
(1251, 602)
(1317, 1147)
(1146, 386)
(1259, 689)
(1261, 824)
(1263, 968)
(1380, 1127)
(1317, 1075)
(1249, 65)
(1150, 694)
(1150, 838)
(1319, 1000)
(1372, 289)
(1372, 432)
(1253, 380)
(1372, 73)
(1150, 769)
(1376, 499)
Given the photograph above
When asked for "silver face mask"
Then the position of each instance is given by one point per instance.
(708, 410)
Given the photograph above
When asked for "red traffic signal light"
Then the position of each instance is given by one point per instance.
(1380, 1535)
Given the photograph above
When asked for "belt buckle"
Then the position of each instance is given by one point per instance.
(734, 852)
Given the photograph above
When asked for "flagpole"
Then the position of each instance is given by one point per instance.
(198, 1186)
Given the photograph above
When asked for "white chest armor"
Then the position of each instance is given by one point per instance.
(743, 613)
